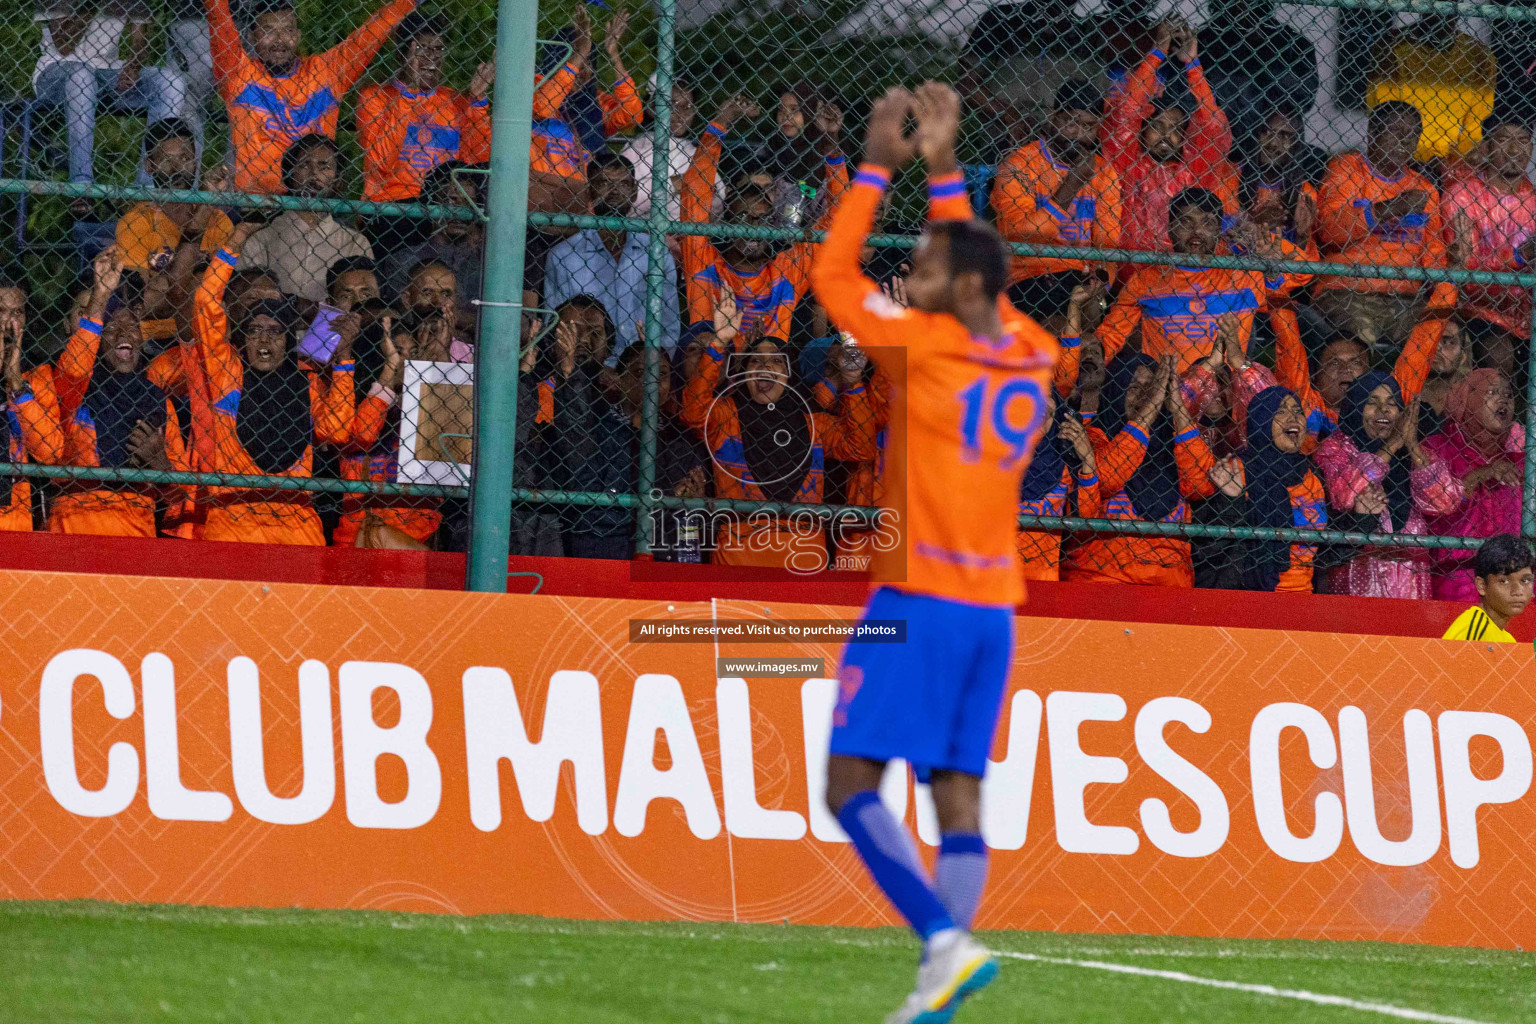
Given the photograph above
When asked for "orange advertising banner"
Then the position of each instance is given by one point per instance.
(239, 744)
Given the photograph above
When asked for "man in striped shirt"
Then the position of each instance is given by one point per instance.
(1503, 569)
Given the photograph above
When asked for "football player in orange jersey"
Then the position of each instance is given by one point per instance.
(973, 404)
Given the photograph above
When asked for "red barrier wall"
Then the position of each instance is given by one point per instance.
(570, 577)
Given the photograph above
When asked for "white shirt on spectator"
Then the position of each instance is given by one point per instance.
(638, 152)
(298, 254)
(98, 46)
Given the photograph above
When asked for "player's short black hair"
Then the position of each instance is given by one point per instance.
(164, 131)
(604, 159)
(419, 23)
(1391, 110)
(13, 278)
(1079, 94)
(1502, 555)
(345, 265)
(1202, 199)
(300, 149)
(975, 247)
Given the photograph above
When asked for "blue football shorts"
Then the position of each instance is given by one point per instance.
(933, 700)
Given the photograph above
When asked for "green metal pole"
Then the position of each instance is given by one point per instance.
(496, 357)
(655, 267)
(1528, 509)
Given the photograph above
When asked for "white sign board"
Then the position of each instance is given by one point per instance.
(437, 416)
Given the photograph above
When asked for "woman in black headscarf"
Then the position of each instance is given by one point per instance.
(1272, 485)
(1062, 479)
(769, 441)
(1151, 460)
(1379, 479)
(259, 410)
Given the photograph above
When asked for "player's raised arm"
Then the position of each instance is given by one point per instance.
(852, 300)
(937, 108)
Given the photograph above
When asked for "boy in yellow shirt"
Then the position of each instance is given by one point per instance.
(1503, 570)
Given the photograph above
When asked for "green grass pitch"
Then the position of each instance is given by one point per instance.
(67, 962)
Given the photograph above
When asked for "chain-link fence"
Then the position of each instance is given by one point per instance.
(1285, 247)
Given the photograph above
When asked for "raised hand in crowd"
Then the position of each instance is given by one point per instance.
(1156, 396)
(347, 328)
(1463, 240)
(1083, 299)
(693, 485)
(896, 290)
(567, 341)
(1229, 476)
(1173, 396)
(242, 233)
(738, 106)
(146, 447)
(1074, 433)
(613, 42)
(827, 128)
(1372, 501)
(1229, 341)
(106, 275)
(845, 365)
(727, 317)
(581, 45)
(1306, 217)
(391, 377)
(11, 339)
(1246, 234)
(484, 78)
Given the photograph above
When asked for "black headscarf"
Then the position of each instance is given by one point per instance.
(274, 422)
(775, 440)
(116, 402)
(1397, 483)
(1047, 463)
(1154, 488)
(1271, 475)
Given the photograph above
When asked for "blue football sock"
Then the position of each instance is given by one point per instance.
(888, 851)
(960, 875)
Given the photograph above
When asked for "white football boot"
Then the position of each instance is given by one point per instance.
(956, 969)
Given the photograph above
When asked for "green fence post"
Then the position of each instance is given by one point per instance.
(1528, 507)
(655, 271)
(496, 356)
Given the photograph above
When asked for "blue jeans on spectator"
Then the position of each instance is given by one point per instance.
(78, 87)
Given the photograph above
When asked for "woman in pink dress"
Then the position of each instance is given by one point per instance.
(1379, 479)
(1484, 448)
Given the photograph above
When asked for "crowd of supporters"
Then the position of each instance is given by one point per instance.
(217, 340)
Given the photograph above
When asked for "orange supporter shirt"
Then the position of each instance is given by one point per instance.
(267, 112)
(405, 135)
(1177, 309)
(145, 231)
(1023, 200)
(966, 414)
(1349, 232)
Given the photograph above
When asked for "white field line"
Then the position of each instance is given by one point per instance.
(1301, 995)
